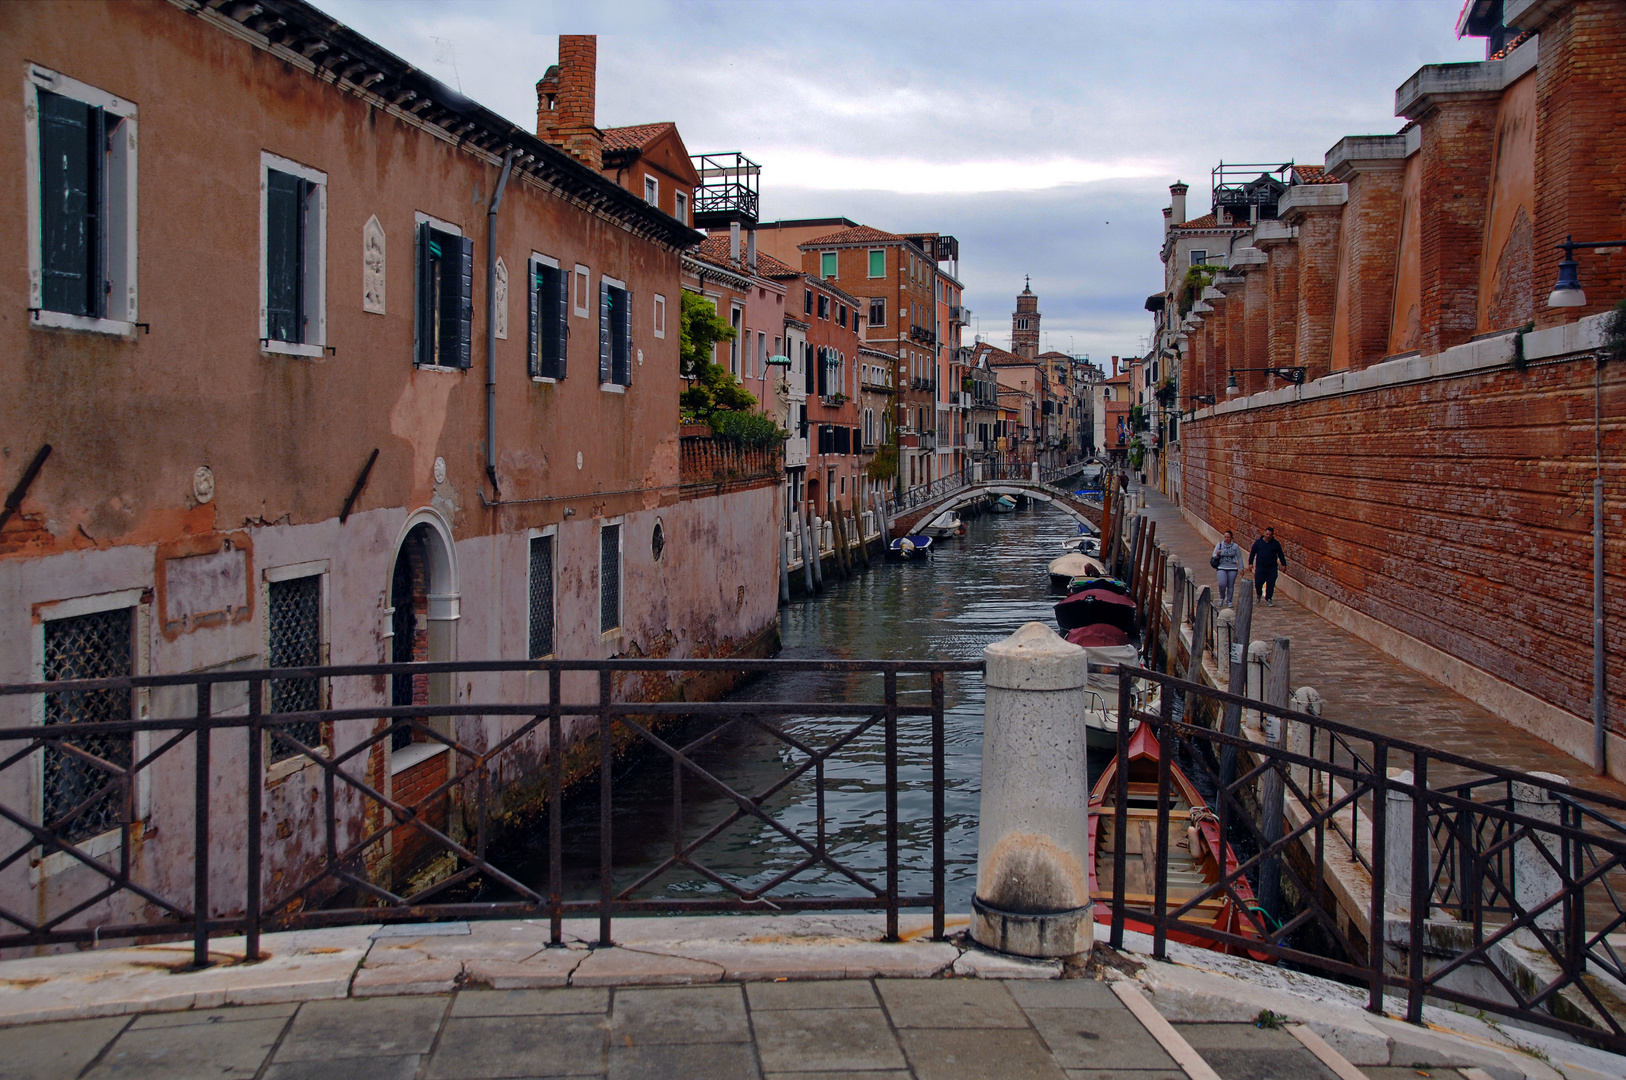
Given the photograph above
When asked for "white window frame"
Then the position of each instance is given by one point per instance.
(620, 578)
(652, 191)
(120, 233)
(680, 207)
(581, 287)
(660, 316)
(315, 256)
(614, 387)
(41, 867)
(1197, 257)
(419, 218)
(277, 771)
(549, 532)
(736, 319)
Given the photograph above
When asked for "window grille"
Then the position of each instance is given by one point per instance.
(294, 627)
(541, 596)
(609, 578)
(95, 646)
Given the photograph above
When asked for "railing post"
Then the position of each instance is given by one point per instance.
(1120, 809)
(252, 837)
(556, 790)
(1376, 921)
(1238, 685)
(1272, 794)
(939, 838)
(606, 752)
(890, 682)
(200, 832)
(1419, 884)
(1167, 743)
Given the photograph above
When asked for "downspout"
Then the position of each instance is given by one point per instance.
(1600, 641)
(491, 321)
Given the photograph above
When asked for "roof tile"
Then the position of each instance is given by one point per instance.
(634, 137)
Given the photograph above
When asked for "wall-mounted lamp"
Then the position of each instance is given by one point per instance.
(1294, 375)
(1567, 291)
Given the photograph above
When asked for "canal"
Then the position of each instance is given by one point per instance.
(975, 589)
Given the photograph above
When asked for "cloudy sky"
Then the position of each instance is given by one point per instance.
(1043, 135)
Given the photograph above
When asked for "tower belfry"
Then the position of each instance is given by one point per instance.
(1025, 323)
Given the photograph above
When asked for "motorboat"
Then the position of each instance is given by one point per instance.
(910, 547)
(1107, 648)
(1003, 505)
(1067, 567)
(1095, 606)
(1083, 545)
(947, 523)
(1097, 581)
(1196, 851)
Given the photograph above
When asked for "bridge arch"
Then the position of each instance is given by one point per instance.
(1086, 513)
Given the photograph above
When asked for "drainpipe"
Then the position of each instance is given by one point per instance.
(491, 322)
(1600, 760)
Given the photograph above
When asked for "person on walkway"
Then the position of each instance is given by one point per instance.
(1227, 563)
(1266, 558)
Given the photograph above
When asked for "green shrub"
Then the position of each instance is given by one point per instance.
(747, 428)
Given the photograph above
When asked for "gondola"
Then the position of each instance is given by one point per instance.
(1196, 853)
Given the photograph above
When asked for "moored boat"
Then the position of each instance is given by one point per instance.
(1003, 505)
(1107, 647)
(1067, 567)
(1196, 851)
(910, 547)
(947, 523)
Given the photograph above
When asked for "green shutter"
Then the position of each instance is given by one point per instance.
(603, 332)
(457, 294)
(533, 322)
(562, 283)
(427, 258)
(827, 264)
(285, 197)
(877, 264)
(72, 151)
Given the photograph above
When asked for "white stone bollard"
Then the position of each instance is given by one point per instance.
(1224, 632)
(1033, 890)
(1534, 878)
(1397, 846)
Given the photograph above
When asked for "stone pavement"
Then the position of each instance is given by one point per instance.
(1362, 686)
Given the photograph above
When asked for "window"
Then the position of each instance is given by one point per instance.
(1198, 256)
(445, 296)
(660, 316)
(680, 206)
(652, 191)
(877, 263)
(877, 311)
(89, 645)
(824, 306)
(734, 346)
(827, 264)
(541, 594)
(293, 626)
(81, 191)
(841, 314)
(584, 281)
(293, 266)
(762, 354)
(609, 577)
(807, 302)
(549, 308)
(614, 333)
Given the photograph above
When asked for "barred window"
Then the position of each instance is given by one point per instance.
(609, 577)
(541, 596)
(294, 632)
(89, 796)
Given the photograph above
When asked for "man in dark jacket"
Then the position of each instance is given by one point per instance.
(1266, 558)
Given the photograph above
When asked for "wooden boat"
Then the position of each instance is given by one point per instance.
(1196, 853)
(1003, 505)
(1073, 565)
(910, 547)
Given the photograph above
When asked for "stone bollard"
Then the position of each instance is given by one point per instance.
(1534, 879)
(1033, 891)
(1306, 699)
(1224, 631)
(1397, 846)
(1258, 660)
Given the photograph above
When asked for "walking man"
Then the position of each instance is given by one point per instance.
(1266, 558)
(1227, 564)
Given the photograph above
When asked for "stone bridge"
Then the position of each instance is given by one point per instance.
(942, 497)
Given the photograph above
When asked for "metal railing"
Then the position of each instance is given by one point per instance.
(240, 873)
(1481, 873)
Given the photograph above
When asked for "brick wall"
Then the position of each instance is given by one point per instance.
(1317, 287)
(1281, 329)
(1371, 225)
(1256, 347)
(1457, 511)
(1458, 137)
(707, 465)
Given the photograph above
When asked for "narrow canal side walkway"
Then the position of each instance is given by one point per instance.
(1363, 686)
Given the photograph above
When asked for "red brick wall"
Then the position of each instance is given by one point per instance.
(1458, 511)
(1458, 137)
(1317, 287)
(1256, 346)
(410, 848)
(1580, 145)
(1281, 329)
(1371, 224)
(1236, 311)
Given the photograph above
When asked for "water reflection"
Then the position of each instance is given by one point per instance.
(974, 590)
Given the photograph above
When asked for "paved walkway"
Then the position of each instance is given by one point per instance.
(1365, 687)
(881, 1029)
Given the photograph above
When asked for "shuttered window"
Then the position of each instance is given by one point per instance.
(614, 335)
(72, 158)
(550, 320)
(285, 202)
(445, 298)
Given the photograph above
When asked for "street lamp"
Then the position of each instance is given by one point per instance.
(1294, 375)
(1567, 291)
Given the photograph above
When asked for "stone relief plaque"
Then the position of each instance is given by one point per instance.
(372, 266)
(501, 293)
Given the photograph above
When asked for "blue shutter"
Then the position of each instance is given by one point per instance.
(285, 197)
(533, 324)
(563, 280)
(426, 297)
(461, 295)
(603, 332)
(72, 149)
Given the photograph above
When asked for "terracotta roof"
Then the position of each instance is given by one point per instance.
(1313, 174)
(997, 357)
(635, 137)
(768, 266)
(1207, 221)
(861, 234)
(1506, 50)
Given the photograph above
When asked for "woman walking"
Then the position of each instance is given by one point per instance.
(1227, 563)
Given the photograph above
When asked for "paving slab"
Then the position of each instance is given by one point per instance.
(1098, 1038)
(987, 1054)
(825, 1040)
(530, 1002)
(627, 966)
(1125, 1074)
(851, 994)
(230, 1015)
(709, 1014)
(1246, 1052)
(362, 1028)
(195, 1052)
(484, 1047)
(979, 963)
(58, 1051)
(426, 977)
(377, 1068)
(955, 1003)
(552, 967)
(711, 1061)
(1066, 994)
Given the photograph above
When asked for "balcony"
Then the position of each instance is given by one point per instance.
(959, 315)
(922, 335)
(727, 191)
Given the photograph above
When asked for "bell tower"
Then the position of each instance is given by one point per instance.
(1025, 323)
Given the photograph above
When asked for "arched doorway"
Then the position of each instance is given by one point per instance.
(424, 602)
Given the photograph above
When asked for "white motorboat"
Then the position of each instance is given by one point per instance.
(945, 524)
(1072, 565)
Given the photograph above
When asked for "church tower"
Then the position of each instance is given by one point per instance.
(1025, 323)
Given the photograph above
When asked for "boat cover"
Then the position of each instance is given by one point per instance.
(1074, 565)
(1095, 606)
(1079, 584)
(1104, 657)
(1097, 636)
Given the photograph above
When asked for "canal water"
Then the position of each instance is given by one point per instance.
(973, 590)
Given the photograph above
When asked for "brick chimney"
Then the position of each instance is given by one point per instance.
(1177, 202)
(565, 101)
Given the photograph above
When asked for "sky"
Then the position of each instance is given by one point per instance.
(1043, 135)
